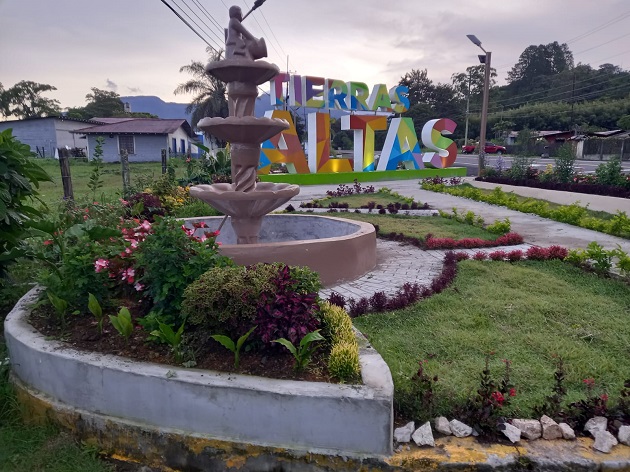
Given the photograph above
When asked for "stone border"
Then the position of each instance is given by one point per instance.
(353, 420)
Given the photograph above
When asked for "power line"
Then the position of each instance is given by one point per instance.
(603, 44)
(199, 18)
(263, 31)
(599, 28)
(189, 25)
(208, 14)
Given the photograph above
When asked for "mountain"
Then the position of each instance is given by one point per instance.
(172, 110)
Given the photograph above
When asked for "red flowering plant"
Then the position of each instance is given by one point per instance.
(595, 404)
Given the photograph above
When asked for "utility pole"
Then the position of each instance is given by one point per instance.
(483, 59)
(467, 109)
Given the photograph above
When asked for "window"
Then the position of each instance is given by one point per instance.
(126, 143)
(174, 145)
(183, 143)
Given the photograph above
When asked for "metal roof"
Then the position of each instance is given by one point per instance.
(138, 126)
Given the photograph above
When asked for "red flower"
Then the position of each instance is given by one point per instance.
(590, 383)
(604, 397)
(498, 398)
(512, 392)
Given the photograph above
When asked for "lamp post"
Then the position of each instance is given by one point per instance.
(483, 59)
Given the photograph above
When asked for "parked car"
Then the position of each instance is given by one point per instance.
(490, 148)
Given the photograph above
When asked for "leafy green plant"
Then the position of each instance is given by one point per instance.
(343, 361)
(623, 261)
(500, 227)
(304, 351)
(19, 179)
(122, 323)
(610, 172)
(173, 338)
(520, 167)
(95, 182)
(232, 346)
(60, 305)
(95, 308)
(565, 163)
(553, 404)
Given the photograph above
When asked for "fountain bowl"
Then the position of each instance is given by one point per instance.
(338, 249)
(245, 129)
(242, 70)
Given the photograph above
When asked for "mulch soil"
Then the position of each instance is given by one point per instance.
(81, 333)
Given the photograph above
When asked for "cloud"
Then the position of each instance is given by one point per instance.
(134, 89)
(111, 85)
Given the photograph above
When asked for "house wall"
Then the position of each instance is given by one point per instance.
(39, 134)
(66, 138)
(147, 147)
(179, 135)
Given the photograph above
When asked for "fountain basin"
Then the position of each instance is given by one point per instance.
(338, 249)
(242, 70)
(245, 129)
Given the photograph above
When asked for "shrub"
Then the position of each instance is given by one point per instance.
(283, 312)
(500, 227)
(170, 261)
(143, 206)
(497, 255)
(565, 163)
(343, 361)
(337, 324)
(224, 299)
(610, 173)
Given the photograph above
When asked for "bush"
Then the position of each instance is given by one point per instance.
(170, 261)
(337, 324)
(283, 312)
(565, 164)
(610, 173)
(500, 227)
(224, 299)
(343, 361)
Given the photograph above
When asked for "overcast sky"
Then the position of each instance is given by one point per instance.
(136, 47)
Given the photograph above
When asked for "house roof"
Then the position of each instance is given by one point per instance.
(138, 126)
(109, 120)
(57, 117)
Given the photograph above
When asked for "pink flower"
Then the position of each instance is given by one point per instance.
(127, 275)
(101, 264)
(200, 224)
(145, 225)
(124, 202)
(48, 242)
(139, 287)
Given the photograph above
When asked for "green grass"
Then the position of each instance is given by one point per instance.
(528, 313)
(349, 177)
(52, 192)
(37, 448)
(552, 206)
(420, 226)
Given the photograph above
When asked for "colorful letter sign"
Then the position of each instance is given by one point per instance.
(369, 112)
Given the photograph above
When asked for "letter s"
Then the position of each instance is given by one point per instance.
(433, 139)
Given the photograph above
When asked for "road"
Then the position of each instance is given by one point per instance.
(470, 161)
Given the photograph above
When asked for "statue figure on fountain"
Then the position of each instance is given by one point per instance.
(240, 43)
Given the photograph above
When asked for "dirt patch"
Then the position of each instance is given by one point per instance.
(82, 333)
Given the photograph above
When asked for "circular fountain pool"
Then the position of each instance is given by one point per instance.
(338, 249)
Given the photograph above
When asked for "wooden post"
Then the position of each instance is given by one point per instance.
(163, 161)
(66, 179)
(124, 162)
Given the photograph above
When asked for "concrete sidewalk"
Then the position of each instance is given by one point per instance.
(534, 229)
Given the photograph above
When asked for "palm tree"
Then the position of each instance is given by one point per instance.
(210, 99)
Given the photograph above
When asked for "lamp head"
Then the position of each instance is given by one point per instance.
(474, 39)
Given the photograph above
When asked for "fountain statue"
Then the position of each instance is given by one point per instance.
(244, 200)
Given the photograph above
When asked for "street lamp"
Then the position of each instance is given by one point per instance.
(483, 59)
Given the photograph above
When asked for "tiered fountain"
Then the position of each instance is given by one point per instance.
(337, 249)
(245, 201)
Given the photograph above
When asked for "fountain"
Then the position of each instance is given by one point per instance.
(338, 249)
(245, 201)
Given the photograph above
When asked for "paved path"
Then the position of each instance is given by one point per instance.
(534, 229)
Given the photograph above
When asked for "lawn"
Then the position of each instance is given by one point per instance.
(52, 192)
(420, 226)
(528, 312)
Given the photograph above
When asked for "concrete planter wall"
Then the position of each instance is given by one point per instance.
(355, 420)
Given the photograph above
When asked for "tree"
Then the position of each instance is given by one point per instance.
(477, 76)
(419, 84)
(541, 60)
(24, 100)
(103, 103)
(210, 99)
(624, 122)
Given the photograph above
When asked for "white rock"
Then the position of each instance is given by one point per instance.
(624, 435)
(604, 441)
(459, 429)
(567, 431)
(442, 426)
(550, 429)
(530, 429)
(423, 435)
(598, 423)
(512, 432)
(403, 434)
